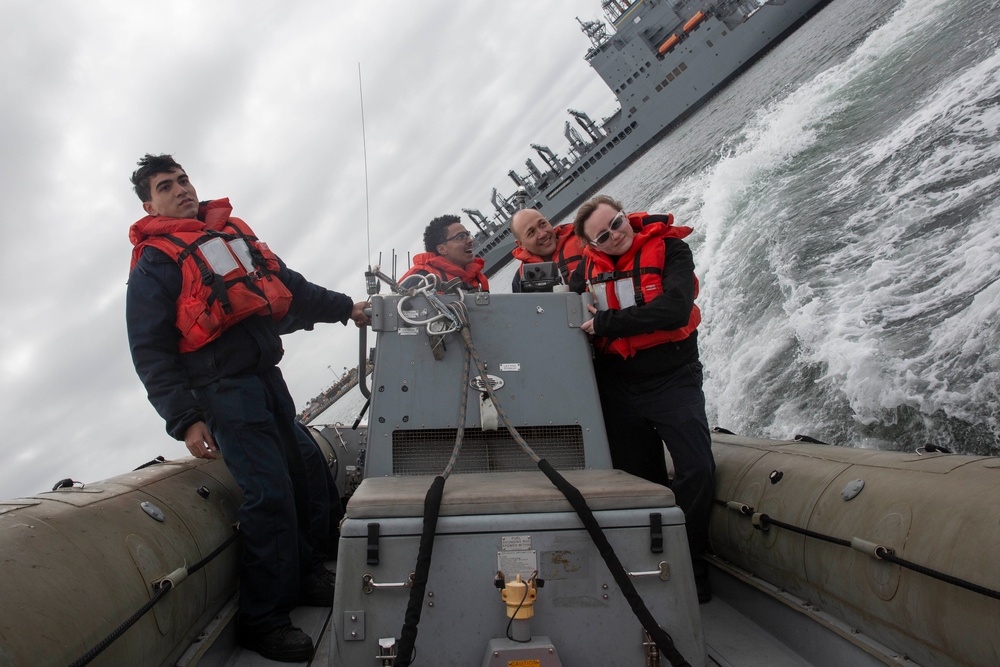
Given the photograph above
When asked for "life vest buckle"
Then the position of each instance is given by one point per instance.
(605, 277)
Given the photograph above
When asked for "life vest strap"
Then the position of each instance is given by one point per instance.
(251, 284)
(637, 273)
(256, 256)
(208, 277)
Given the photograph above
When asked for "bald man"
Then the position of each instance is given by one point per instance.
(538, 241)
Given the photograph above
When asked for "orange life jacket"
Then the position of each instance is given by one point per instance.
(636, 278)
(227, 274)
(431, 262)
(568, 253)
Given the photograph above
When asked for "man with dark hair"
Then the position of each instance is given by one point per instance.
(205, 304)
(538, 241)
(449, 255)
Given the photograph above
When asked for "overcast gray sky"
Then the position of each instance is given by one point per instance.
(260, 103)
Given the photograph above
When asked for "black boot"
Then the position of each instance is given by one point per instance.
(284, 644)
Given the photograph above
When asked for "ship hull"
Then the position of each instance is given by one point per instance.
(711, 57)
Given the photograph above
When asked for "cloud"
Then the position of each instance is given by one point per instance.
(260, 101)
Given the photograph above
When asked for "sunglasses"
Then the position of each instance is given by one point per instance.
(461, 236)
(616, 224)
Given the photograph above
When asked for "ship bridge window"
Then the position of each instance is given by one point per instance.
(659, 87)
(641, 70)
(677, 71)
(670, 77)
(629, 80)
(682, 67)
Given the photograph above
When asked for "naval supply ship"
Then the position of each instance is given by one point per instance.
(662, 60)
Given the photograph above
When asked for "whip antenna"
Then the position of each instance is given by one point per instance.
(371, 282)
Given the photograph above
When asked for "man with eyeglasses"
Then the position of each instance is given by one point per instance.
(205, 306)
(538, 241)
(645, 336)
(449, 255)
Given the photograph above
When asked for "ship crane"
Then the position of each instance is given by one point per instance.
(577, 145)
(535, 172)
(550, 158)
(519, 180)
(478, 219)
(503, 205)
(588, 125)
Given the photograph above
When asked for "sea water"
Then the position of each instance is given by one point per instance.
(844, 199)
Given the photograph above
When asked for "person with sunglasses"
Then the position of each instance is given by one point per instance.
(449, 255)
(645, 337)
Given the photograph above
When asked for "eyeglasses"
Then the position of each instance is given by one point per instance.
(616, 224)
(461, 236)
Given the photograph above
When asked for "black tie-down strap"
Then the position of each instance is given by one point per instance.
(655, 532)
(408, 635)
(660, 637)
(373, 543)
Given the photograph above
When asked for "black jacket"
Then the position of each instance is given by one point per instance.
(670, 310)
(245, 348)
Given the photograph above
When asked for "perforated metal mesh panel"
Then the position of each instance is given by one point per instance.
(427, 451)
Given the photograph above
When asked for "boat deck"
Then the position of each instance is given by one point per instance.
(748, 623)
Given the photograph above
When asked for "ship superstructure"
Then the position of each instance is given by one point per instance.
(662, 59)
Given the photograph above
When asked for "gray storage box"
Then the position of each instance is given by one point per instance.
(579, 608)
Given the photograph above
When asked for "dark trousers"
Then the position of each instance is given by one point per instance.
(251, 418)
(325, 508)
(642, 416)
